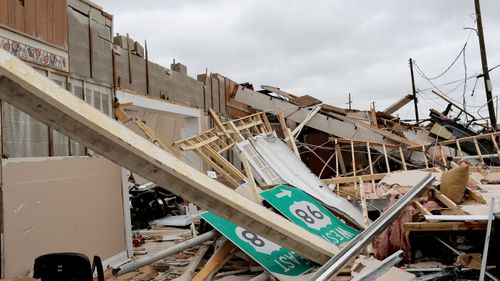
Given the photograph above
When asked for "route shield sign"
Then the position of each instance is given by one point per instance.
(273, 257)
(305, 211)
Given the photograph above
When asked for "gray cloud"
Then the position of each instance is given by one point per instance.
(322, 48)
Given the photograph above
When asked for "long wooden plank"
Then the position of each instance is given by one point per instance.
(354, 178)
(471, 138)
(216, 261)
(36, 95)
(444, 226)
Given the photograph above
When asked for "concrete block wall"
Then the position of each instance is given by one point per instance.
(90, 42)
(96, 55)
(155, 80)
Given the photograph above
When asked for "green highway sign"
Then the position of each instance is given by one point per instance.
(305, 211)
(273, 257)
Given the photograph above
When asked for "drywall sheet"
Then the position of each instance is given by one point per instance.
(64, 204)
(291, 169)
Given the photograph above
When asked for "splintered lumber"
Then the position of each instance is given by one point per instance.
(26, 89)
(398, 104)
(216, 261)
(251, 179)
(136, 264)
(190, 269)
(447, 201)
(287, 134)
(356, 245)
(150, 133)
(423, 210)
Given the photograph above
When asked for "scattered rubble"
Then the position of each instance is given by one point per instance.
(285, 187)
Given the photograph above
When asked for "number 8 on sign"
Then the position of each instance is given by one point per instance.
(310, 214)
(260, 244)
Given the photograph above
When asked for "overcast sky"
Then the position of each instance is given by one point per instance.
(325, 48)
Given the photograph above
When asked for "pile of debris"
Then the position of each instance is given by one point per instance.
(299, 190)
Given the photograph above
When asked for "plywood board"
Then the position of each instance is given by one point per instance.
(68, 204)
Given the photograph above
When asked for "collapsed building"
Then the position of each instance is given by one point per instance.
(99, 143)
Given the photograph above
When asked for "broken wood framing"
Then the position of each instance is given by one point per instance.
(297, 129)
(136, 264)
(150, 133)
(453, 103)
(331, 123)
(217, 260)
(191, 268)
(38, 96)
(356, 245)
(354, 178)
(210, 145)
(290, 140)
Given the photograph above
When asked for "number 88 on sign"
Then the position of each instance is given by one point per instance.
(310, 214)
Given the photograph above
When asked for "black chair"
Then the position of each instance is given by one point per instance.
(67, 267)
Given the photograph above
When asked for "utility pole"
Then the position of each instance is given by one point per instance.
(484, 61)
(414, 91)
(350, 101)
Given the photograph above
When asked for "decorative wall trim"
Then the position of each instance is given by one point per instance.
(33, 51)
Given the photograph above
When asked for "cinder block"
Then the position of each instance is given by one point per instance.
(138, 49)
(179, 67)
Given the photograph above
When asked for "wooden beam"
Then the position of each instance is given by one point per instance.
(287, 134)
(471, 138)
(476, 196)
(373, 117)
(447, 201)
(450, 101)
(38, 96)
(495, 145)
(478, 150)
(354, 178)
(297, 129)
(151, 133)
(353, 161)
(398, 104)
(386, 158)
(218, 123)
(403, 161)
(425, 157)
(251, 179)
(193, 264)
(423, 210)
(216, 261)
(198, 144)
(444, 226)
(372, 143)
(340, 158)
(237, 134)
(230, 180)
